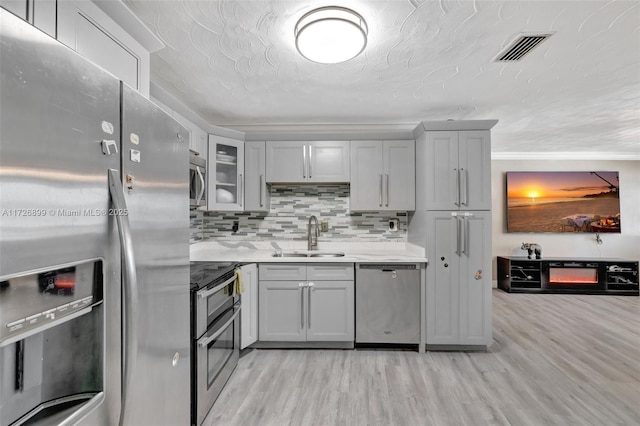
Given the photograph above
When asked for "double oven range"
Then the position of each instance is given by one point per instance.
(215, 333)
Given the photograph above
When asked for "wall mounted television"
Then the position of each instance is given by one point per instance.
(544, 201)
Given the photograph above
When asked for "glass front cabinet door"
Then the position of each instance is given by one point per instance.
(226, 174)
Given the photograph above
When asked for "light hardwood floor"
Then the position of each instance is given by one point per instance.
(555, 360)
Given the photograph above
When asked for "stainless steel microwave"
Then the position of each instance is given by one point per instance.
(197, 180)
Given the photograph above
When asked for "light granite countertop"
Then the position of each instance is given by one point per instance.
(263, 251)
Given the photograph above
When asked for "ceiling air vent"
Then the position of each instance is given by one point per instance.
(522, 45)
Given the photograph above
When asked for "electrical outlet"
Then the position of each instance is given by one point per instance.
(394, 224)
(324, 226)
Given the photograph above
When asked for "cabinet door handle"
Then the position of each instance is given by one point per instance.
(381, 190)
(301, 287)
(463, 237)
(463, 187)
(310, 159)
(304, 161)
(387, 177)
(458, 236)
(309, 305)
(261, 190)
(241, 191)
(457, 178)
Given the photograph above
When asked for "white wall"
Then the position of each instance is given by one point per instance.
(625, 245)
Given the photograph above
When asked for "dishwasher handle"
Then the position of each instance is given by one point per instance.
(386, 267)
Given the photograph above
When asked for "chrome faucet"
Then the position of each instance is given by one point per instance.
(312, 240)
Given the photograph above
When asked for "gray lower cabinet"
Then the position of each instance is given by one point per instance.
(249, 312)
(458, 296)
(306, 302)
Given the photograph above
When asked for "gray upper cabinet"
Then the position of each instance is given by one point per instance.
(457, 169)
(39, 13)
(225, 174)
(382, 175)
(256, 192)
(307, 162)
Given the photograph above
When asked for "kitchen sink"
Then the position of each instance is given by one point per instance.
(299, 254)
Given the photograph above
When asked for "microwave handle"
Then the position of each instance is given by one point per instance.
(203, 343)
(130, 284)
(201, 193)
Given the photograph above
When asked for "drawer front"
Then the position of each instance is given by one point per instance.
(282, 272)
(330, 272)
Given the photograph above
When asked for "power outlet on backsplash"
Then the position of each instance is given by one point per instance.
(324, 226)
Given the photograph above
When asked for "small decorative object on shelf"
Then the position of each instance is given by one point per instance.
(532, 248)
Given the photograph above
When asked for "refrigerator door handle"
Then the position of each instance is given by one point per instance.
(130, 299)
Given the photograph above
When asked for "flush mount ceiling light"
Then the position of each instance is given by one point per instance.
(331, 34)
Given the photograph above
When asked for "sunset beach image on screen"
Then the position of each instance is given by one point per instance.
(563, 201)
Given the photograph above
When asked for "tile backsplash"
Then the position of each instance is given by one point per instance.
(291, 207)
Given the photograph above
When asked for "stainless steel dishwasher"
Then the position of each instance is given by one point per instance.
(388, 303)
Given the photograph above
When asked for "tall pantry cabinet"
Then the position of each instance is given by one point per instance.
(453, 218)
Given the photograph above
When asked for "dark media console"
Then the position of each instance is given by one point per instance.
(560, 275)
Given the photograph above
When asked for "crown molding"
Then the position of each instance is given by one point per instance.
(333, 131)
(572, 155)
(123, 16)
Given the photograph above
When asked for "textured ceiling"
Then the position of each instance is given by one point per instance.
(234, 63)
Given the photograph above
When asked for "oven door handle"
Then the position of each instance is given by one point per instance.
(207, 293)
(204, 343)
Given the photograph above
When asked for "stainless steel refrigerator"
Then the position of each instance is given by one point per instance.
(94, 271)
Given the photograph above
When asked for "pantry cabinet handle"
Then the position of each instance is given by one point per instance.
(380, 190)
(464, 227)
(458, 236)
(457, 178)
(463, 187)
